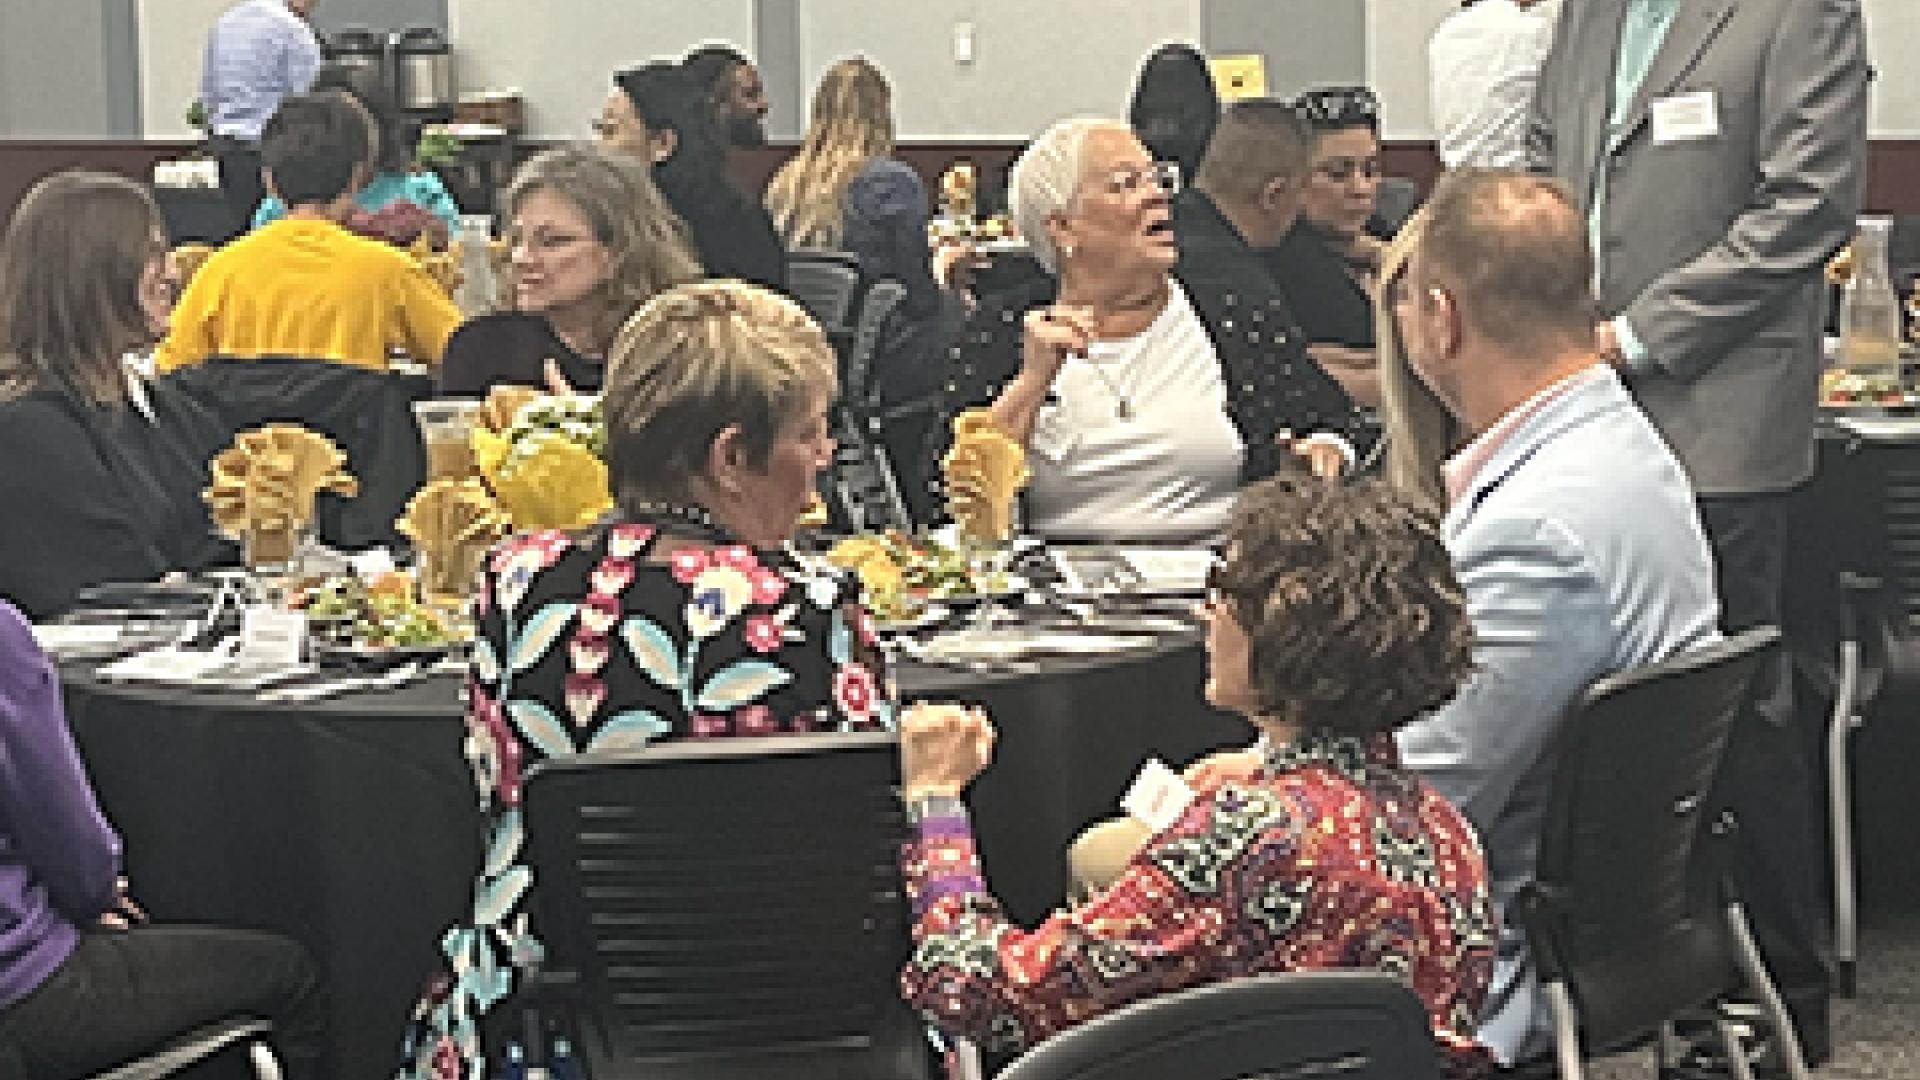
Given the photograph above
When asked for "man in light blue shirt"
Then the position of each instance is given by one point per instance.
(1571, 525)
(259, 52)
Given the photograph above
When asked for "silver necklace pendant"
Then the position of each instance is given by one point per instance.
(1123, 409)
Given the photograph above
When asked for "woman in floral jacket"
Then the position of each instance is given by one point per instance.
(680, 618)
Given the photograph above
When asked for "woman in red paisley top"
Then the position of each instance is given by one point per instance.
(678, 618)
(1334, 618)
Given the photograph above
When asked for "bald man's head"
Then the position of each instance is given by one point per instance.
(1512, 250)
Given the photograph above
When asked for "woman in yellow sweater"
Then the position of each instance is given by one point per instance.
(303, 287)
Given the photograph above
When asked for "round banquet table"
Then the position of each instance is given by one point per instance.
(349, 824)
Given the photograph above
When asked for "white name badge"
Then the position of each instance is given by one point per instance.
(1686, 118)
(271, 636)
(1158, 796)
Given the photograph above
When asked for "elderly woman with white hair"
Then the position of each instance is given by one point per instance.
(1145, 402)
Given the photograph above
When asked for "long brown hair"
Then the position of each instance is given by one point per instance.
(70, 269)
(1420, 432)
(852, 124)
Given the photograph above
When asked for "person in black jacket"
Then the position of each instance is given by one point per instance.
(1145, 398)
(1244, 199)
(657, 114)
(103, 470)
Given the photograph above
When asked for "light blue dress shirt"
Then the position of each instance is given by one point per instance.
(422, 188)
(1642, 33)
(258, 53)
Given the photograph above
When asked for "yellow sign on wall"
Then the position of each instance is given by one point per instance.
(1236, 78)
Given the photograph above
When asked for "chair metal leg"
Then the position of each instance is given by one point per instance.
(1840, 815)
(266, 1066)
(1737, 1063)
(1566, 1031)
(1785, 1040)
(967, 1059)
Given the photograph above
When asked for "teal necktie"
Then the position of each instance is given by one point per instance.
(1642, 33)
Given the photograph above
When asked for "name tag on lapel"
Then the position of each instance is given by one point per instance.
(1686, 118)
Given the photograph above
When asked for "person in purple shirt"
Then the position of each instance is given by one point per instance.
(259, 53)
(85, 982)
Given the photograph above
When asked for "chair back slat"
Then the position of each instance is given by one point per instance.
(733, 907)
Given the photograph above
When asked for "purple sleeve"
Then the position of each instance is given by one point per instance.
(47, 809)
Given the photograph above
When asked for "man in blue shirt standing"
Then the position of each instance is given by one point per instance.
(259, 52)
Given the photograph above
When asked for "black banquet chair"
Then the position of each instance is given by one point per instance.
(1869, 514)
(1632, 917)
(1308, 1025)
(726, 910)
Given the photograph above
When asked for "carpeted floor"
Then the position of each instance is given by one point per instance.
(1876, 1035)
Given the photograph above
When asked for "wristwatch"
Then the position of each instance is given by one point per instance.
(922, 807)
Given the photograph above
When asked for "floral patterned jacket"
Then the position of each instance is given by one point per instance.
(589, 642)
(1331, 857)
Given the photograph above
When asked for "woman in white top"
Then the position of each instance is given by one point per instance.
(1145, 402)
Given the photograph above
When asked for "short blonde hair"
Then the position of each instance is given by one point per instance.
(695, 361)
(1046, 178)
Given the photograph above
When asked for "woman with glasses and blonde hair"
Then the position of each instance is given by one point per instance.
(1144, 401)
(592, 240)
(716, 407)
(103, 469)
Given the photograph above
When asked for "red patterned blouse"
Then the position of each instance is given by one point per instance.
(1331, 857)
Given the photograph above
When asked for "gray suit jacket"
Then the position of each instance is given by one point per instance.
(1712, 248)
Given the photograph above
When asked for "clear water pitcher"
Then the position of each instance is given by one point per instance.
(1870, 319)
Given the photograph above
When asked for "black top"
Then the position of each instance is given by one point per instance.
(732, 235)
(1331, 305)
(509, 349)
(1272, 385)
(92, 495)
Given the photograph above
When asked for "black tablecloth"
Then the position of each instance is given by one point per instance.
(350, 824)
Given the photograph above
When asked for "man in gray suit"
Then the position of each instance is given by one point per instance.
(1717, 148)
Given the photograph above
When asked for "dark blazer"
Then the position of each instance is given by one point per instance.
(91, 495)
(1272, 385)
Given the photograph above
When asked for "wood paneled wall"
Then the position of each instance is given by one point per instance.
(1893, 186)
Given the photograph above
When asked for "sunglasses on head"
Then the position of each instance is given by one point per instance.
(1338, 107)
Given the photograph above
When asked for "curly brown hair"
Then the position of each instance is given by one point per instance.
(1355, 621)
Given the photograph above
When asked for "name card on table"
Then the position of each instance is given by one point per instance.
(271, 636)
(1158, 796)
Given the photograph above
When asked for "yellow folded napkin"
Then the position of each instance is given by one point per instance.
(263, 486)
(985, 470)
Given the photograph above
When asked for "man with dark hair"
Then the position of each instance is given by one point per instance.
(1246, 196)
(1717, 152)
(732, 84)
(304, 287)
(1571, 524)
(258, 53)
